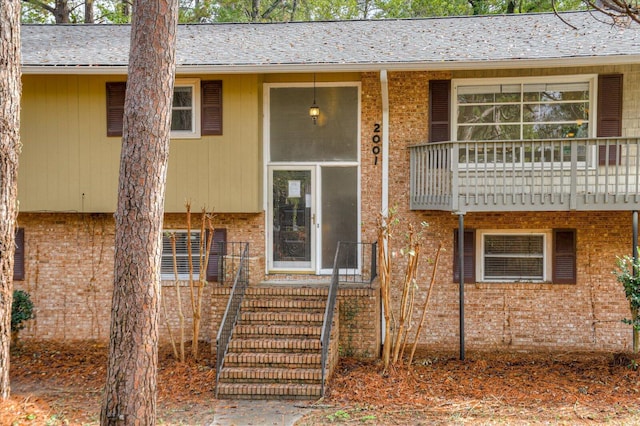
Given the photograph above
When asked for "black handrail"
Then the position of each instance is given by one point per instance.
(230, 318)
(325, 337)
(346, 258)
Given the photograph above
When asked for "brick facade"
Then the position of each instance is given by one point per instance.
(69, 259)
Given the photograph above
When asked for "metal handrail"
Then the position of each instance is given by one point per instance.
(232, 312)
(340, 260)
(327, 323)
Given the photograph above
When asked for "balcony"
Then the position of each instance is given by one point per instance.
(526, 175)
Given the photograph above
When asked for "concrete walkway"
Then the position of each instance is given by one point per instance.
(249, 413)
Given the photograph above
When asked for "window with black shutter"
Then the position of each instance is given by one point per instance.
(115, 107)
(439, 110)
(196, 111)
(211, 107)
(609, 116)
(183, 262)
(469, 256)
(517, 256)
(18, 257)
(564, 256)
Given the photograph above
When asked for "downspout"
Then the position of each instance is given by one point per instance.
(384, 203)
(634, 218)
(384, 92)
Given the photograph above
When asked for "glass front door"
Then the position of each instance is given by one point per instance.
(293, 219)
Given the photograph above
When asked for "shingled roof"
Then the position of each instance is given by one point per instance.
(436, 43)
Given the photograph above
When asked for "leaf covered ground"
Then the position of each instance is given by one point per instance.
(59, 384)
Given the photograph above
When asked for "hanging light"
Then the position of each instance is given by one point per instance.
(314, 109)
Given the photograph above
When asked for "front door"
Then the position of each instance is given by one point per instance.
(312, 173)
(293, 218)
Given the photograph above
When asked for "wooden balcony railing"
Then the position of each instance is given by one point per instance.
(526, 175)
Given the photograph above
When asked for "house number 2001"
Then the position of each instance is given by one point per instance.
(375, 149)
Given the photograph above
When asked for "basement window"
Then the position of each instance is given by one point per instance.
(182, 260)
(513, 257)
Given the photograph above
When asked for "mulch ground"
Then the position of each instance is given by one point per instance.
(57, 384)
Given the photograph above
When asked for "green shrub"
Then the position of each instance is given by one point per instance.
(21, 310)
(628, 274)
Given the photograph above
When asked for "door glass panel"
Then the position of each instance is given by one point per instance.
(292, 219)
(339, 214)
(294, 137)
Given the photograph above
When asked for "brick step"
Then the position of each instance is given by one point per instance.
(268, 391)
(302, 293)
(281, 318)
(283, 304)
(255, 330)
(277, 360)
(270, 375)
(274, 345)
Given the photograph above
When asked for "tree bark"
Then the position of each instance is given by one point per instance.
(88, 12)
(130, 393)
(10, 91)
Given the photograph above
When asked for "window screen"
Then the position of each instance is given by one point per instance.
(294, 136)
(513, 257)
(183, 240)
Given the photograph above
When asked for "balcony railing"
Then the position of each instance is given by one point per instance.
(526, 175)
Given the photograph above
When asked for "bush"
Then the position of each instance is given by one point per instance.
(21, 310)
(628, 274)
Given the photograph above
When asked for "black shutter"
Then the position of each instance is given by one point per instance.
(217, 252)
(18, 258)
(609, 116)
(115, 107)
(469, 256)
(564, 256)
(211, 99)
(439, 110)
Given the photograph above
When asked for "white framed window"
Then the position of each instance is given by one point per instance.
(514, 256)
(185, 112)
(183, 240)
(523, 109)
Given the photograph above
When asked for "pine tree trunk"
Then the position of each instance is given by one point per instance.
(10, 91)
(130, 393)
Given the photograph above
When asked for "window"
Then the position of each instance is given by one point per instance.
(196, 109)
(183, 240)
(518, 256)
(184, 114)
(513, 257)
(528, 109)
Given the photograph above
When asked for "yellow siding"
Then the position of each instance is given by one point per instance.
(69, 164)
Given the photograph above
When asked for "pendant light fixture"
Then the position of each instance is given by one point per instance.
(314, 109)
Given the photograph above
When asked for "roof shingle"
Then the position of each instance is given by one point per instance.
(435, 42)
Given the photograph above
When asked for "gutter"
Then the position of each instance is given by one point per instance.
(346, 67)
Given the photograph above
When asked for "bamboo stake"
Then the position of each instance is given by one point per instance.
(166, 320)
(426, 304)
(406, 304)
(178, 295)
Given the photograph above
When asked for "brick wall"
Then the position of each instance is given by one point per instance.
(583, 316)
(69, 274)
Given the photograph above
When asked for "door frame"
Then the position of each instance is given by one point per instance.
(313, 234)
(268, 165)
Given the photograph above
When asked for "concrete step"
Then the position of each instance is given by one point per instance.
(290, 331)
(275, 360)
(274, 345)
(270, 375)
(268, 391)
(281, 318)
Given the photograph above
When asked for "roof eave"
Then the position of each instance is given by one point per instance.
(347, 67)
